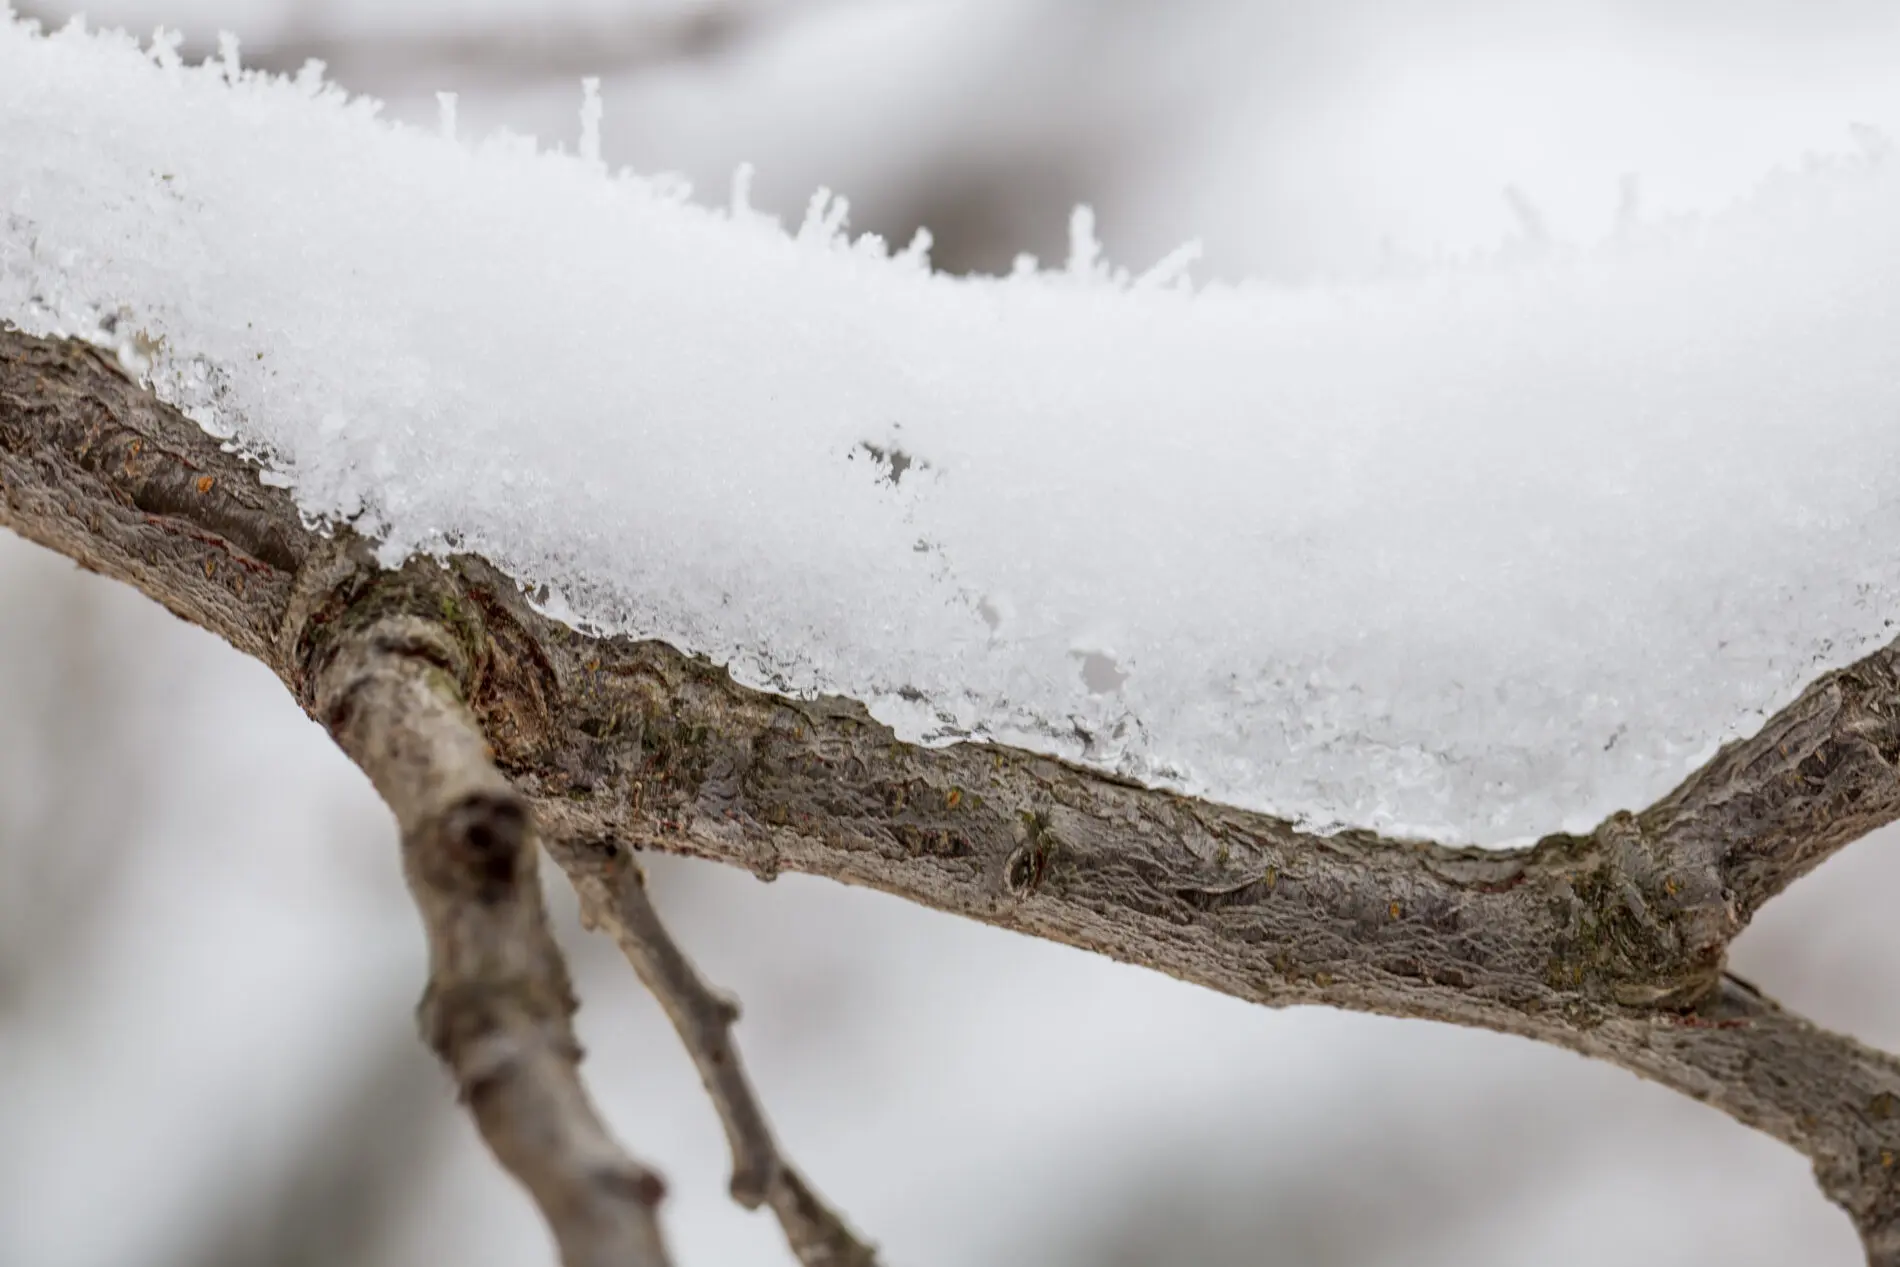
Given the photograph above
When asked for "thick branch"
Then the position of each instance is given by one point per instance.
(1611, 944)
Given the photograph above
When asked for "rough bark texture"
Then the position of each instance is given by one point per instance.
(1611, 944)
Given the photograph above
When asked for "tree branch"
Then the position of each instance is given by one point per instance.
(1610, 944)
(614, 897)
(499, 1006)
(1819, 776)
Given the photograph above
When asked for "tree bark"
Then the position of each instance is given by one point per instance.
(1612, 944)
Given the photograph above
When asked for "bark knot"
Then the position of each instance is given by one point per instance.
(1642, 926)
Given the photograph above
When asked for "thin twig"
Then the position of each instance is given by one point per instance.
(614, 896)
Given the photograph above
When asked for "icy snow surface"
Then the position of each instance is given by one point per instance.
(1476, 553)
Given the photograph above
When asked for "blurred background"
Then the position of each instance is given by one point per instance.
(208, 962)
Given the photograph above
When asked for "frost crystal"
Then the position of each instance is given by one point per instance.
(1480, 553)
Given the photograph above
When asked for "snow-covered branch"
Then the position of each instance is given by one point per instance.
(1472, 555)
(1184, 628)
(1610, 943)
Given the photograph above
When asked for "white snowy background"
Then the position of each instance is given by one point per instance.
(206, 960)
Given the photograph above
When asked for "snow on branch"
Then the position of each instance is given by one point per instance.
(1469, 555)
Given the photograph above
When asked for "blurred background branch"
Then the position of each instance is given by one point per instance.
(498, 50)
(60, 854)
(338, 1195)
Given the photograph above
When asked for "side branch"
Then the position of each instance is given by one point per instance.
(1834, 1100)
(1819, 775)
(499, 1006)
(614, 897)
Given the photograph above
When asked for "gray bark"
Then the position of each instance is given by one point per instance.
(1611, 944)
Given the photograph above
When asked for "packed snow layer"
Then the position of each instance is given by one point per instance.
(1477, 553)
